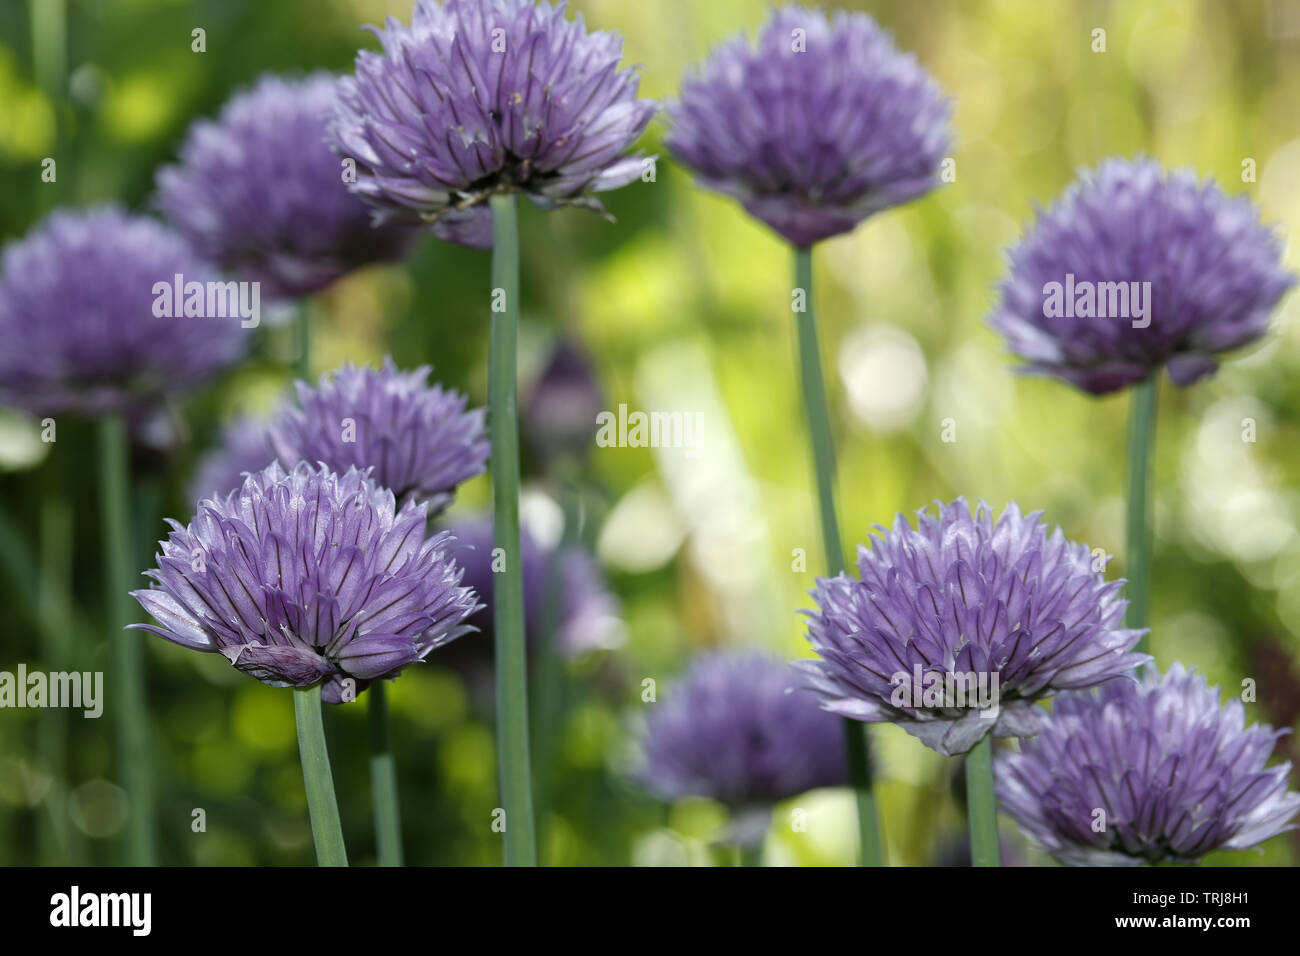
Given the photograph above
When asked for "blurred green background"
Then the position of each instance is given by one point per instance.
(685, 304)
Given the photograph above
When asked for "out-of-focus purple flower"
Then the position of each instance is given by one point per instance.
(478, 97)
(418, 439)
(958, 626)
(307, 577)
(1140, 773)
(259, 191)
(817, 126)
(1134, 268)
(77, 314)
(244, 446)
(734, 730)
(560, 416)
(586, 612)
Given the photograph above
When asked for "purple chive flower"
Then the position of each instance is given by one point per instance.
(734, 731)
(485, 96)
(587, 613)
(244, 446)
(1173, 774)
(1135, 268)
(560, 415)
(79, 316)
(304, 577)
(259, 191)
(418, 439)
(817, 126)
(958, 626)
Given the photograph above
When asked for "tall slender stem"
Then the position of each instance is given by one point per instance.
(857, 746)
(57, 842)
(819, 429)
(546, 691)
(383, 780)
(1141, 436)
(981, 805)
(128, 687)
(323, 807)
(508, 614)
(549, 686)
(16, 563)
(49, 19)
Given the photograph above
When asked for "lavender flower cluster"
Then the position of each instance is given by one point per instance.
(417, 439)
(816, 126)
(1144, 772)
(477, 97)
(258, 191)
(1002, 601)
(307, 577)
(731, 730)
(308, 560)
(962, 599)
(1211, 271)
(80, 293)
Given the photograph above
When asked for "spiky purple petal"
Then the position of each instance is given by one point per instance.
(477, 97)
(1142, 773)
(418, 439)
(306, 577)
(818, 125)
(1214, 270)
(966, 597)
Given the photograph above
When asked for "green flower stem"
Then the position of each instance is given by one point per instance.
(508, 613)
(16, 562)
(546, 695)
(981, 805)
(17, 565)
(49, 20)
(127, 687)
(551, 695)
(1141, 436)
(326, 830)
(57, 842)
(751, 854)
(383, 779)
(819, 429)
